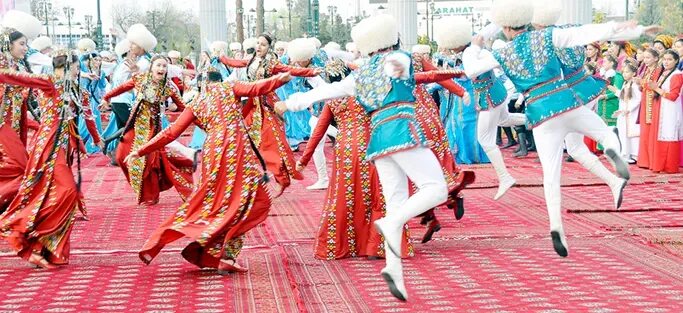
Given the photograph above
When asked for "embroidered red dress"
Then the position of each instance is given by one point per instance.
(41, 217)
(427, 116)
(13, 134)
(230, 198)
(354, 197)
(266, 128)
(648, 118)
(161, 169)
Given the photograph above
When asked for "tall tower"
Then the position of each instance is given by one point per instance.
(576, 12)
(213, 23)
(405, 13)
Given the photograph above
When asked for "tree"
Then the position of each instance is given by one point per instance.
(598, 16)
(174, 29)
(672, 21)
(649, 12)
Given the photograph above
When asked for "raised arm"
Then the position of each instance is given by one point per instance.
(301, 101)
(586, 34)
(318, 134)
(477, 61)
(169, 134)
(296, 71)
(42, 82)
(436, 76)
(89, 119)
(234, 63)
(123, 88)
(449, 84)
(258, 88)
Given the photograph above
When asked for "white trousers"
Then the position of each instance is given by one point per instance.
(487, 126)
(421, 166)
(550, 136)
(319, 153)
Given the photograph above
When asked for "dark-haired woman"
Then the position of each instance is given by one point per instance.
(265, 127)
(159, 170)
(667, 120)
(651, 73)
(231, 198)
(39, 220)
(13, 119)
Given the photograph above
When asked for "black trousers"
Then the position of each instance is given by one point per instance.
(122, 113)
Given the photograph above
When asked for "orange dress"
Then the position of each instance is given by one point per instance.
(230, 198)
(40, 218)
(266, 128)
(648, 116)
(161, 169)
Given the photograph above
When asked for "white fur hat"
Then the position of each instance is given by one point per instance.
(452, 32)
(281, 45)
(249, 43)
(333, 46)
(25, 23)
(235, 46)
(106, 54)
(139, 35)
(300, 49)
(41, 43)
(219, 46)
(316, 42)
(421, 49)
(173, 54)
(375, 33)
(86, 45)
(546, 13)
(122, 47)
(512, 13)
(351, 46)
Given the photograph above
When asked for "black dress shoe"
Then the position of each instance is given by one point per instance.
(433, 227)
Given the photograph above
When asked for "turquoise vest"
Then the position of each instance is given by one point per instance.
(586, 87)
(391, 105)
(489, 91)
(532, 64)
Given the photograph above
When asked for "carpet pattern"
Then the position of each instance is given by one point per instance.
(499, 258)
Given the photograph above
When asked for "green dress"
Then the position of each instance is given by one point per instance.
(610, 104)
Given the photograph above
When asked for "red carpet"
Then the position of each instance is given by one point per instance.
(497, 259)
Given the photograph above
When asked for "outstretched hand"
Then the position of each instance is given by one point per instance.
(299, 166)
(478, 40)
(284, 77)
(131, 156)
(653, 30)
(280, 108)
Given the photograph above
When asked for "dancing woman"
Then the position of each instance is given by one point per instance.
(95, 84)
(265, 127)
(38, 222)
(162, 169)
(231, 198)
(14, 107)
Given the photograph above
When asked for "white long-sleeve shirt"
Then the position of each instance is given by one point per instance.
(482, 62)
